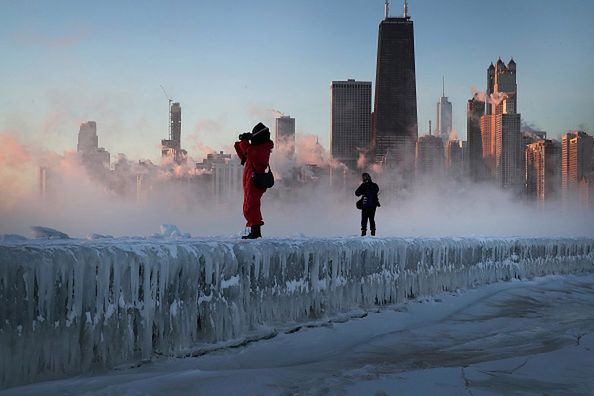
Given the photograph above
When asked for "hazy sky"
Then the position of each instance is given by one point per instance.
(228, 62)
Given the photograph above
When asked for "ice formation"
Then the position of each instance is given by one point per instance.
(70, 306)
(49, 233)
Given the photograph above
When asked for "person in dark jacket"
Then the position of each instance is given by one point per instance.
(253, 149)
(369, 202)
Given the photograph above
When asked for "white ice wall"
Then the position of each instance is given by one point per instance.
(72, 306)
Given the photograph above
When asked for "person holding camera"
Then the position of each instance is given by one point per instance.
(254, 151)
(369, 202)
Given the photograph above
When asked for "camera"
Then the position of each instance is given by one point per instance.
(245, 136)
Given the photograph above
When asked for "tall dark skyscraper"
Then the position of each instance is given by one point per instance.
(285, 135)
(350, 121)
(395, 109)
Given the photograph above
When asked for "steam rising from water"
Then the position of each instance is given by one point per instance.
(79, 205)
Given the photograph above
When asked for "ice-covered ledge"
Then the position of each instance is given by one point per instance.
(70, 306)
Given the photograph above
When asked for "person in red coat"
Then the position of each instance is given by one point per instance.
(254, 151)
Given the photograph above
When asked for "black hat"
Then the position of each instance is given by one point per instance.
(259, 128)
(366, 175)
(260, 134)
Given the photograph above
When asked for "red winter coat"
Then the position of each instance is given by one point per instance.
(256, 157)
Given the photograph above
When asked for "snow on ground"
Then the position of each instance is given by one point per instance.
(520, 337)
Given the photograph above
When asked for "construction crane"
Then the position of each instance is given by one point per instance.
(169, 111)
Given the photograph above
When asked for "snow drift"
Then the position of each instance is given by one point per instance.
(72, 306)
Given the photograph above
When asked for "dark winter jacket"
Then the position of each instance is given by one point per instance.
(369, 191)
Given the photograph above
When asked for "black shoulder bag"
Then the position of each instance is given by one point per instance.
(263, 180)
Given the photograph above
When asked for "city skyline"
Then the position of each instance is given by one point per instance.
(70, 69)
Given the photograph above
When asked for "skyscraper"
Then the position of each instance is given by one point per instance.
(429, 155)
(395, 109)
(285, 135)
(87, 137)
(474, 110)
(88, 148)
(350, 120)
(543, 170)
(171, 147)
(500, 127)
(576, 161)
(444, 116)
(454, 158)
(508, 151)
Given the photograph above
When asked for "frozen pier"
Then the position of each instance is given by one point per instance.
(72, 306)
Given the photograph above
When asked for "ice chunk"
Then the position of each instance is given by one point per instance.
(10, 238)
(171, 230)
(94, 236)
(49, 233)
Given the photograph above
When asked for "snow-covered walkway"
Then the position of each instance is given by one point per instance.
(521, 337)
(69, 306)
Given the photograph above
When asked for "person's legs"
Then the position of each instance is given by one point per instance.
(372, 221)
(252, 212)
(364, 218)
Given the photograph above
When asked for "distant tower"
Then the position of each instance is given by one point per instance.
(543, 170)
(350, 120)
(454, 158)
(285, 134)
(576, 161)
(171, 147)
(500, 127)
(429, 155)
(474, 111)
(175, 120)
(395, 108)
(88, 146)
(88, 141)
(444, 116)
(43, 176)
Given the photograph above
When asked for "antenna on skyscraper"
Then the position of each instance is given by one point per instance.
(442, 86)
(405, 8)
(387, 8)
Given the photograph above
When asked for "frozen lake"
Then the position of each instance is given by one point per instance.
(519, 337)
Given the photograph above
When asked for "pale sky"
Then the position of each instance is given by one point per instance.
(228, 63)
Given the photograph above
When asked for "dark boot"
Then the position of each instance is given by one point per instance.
(363, 232)
(372, 232)
(255, 232)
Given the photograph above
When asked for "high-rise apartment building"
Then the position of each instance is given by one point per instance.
(395, 127)
(226, 173)
(285, 135)
(429, 155)
(508, 151)
(543, 170)
(500, 127)
(576, 161)
(350, 120)
(444, 117)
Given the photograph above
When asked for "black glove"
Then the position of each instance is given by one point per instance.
(245, 136)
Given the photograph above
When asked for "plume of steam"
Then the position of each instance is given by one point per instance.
(453, 135)
(263, 112)
(497, 97)
(478, 95)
